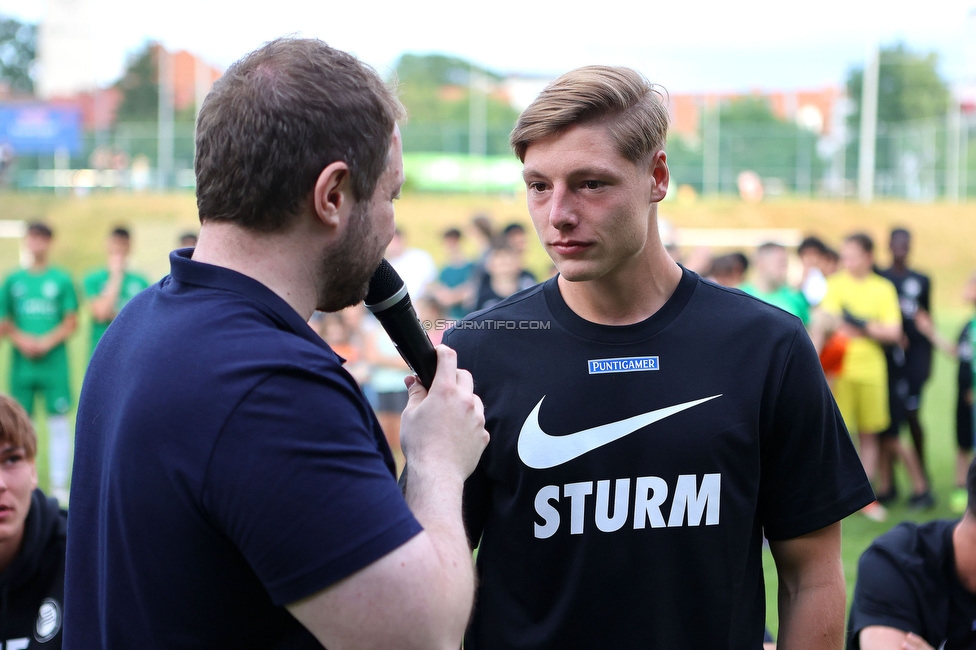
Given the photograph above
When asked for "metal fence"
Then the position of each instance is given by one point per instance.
(919, 161)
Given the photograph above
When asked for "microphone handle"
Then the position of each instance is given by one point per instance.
(413, 344)
(411, 341)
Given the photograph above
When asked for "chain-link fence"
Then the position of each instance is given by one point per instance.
(921, 161)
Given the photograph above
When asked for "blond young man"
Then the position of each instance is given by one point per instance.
(648, 427)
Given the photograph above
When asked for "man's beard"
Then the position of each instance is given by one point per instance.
(348, 267)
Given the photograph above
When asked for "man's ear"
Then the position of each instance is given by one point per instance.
(332, 197)
(661, 174)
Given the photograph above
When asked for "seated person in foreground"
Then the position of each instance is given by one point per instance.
(916, 585)
(32, 540)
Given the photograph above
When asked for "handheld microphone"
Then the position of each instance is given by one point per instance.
(389, 301)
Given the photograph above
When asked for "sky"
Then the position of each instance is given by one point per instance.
(685, 45)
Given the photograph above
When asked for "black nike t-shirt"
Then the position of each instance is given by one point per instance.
(907, 580)
(633, 470)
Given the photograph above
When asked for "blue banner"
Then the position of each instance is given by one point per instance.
(40, 128)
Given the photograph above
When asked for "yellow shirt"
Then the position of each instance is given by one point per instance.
(872, 298)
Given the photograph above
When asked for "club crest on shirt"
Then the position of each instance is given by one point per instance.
(622, 364)
(911, 287)
(48, 622)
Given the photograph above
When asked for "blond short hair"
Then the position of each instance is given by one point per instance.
(622, 99)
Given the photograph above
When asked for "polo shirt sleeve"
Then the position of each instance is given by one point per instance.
(300, 483)
(811, 474)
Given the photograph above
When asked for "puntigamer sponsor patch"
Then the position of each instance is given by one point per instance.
(623, 364)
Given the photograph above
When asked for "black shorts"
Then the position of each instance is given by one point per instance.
(916, 371)
(898, 390)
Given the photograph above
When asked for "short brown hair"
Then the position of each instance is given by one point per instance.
(863, 240)
(40, 229)
(16, 428)
(276, 119)
(624, 100)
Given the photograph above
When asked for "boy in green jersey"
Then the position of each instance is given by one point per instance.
(38, 308)
(108, 289)
(769, 281)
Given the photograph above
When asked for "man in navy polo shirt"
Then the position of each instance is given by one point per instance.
(232, 487)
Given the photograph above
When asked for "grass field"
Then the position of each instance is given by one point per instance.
(943, 247)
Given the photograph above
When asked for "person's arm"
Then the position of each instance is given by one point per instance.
(883, 333)
(926, 327)
(880, 637)
(21, 341)
(822, 324)
(885, 326)
(59, 334)
(27, 344)
(419, 595)
(103, 304)
(812, 592)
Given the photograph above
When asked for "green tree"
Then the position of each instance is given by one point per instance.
(909, 87)
(137, 117)
(140, 87)
(18, 51)
(437, 92)
(753, 138)
(911, 95)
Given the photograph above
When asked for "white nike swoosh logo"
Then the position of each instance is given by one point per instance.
(539, 450)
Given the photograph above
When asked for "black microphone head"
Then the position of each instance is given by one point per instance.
(384, 284)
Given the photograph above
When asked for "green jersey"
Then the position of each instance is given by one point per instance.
(787, 299)
(36, 303)
(94, 284)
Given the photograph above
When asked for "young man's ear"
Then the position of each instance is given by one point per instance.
(332, 194)
(661, 175)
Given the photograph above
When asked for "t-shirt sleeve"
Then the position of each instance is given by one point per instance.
(883, 596)
(92, 285)
(298, 481)
(890, 309)
(831, 302)
(69, 297)
(811, 473)
(5, 299)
